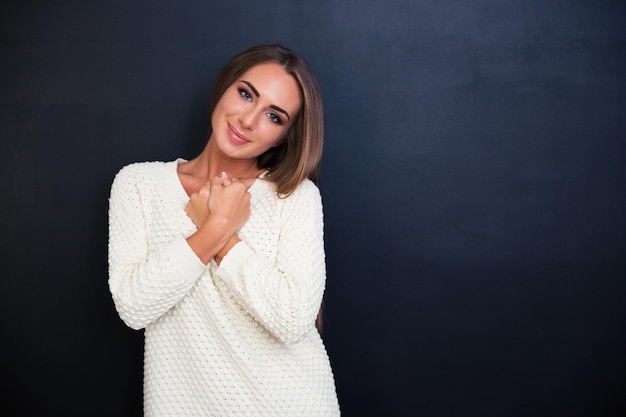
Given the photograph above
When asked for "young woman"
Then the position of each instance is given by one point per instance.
(221, 258)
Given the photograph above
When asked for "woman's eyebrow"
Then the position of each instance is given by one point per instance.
(256, 93)
(254, 90)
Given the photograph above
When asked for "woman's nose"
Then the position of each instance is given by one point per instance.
(246, 119)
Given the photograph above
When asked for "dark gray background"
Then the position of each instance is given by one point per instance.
(473, 182)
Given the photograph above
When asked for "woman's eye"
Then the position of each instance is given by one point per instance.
(245, 94)
(274, 118)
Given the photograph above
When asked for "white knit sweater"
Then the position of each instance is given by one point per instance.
(236, 339)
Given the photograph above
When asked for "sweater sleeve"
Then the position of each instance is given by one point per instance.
(145, 280)
(284, 294)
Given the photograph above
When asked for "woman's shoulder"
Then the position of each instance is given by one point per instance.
(145, 169)
(306, 193)
(144, 175)
(307, 188)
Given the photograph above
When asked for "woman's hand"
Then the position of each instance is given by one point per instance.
(198, 206)
(226, 200)
(219, 209)
(229, 202)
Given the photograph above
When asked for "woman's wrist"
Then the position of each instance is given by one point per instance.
(211, 239)
(227, 247)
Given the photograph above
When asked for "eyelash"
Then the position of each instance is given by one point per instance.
(273, 117)
(243, 93)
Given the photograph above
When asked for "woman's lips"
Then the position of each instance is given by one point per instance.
(236, 136)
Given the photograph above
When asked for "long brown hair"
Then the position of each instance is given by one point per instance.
(299, 154)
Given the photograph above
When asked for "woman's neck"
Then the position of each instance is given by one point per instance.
(209, 164)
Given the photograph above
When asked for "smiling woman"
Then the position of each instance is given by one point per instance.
(246, 123)
(221, 258)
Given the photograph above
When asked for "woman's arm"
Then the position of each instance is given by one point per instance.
(285, 293)
(145, 283)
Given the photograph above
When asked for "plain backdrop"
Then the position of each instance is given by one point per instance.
(473, 186)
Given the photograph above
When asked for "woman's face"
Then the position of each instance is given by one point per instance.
(255, 112)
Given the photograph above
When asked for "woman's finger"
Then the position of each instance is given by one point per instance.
(217, 180)
(205, 191)
(226, 180)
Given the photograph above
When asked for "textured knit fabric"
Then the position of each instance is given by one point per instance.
(236, 339)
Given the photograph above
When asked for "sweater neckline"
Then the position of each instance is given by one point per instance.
(180, 190)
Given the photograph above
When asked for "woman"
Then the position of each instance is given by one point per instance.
(221, 258)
